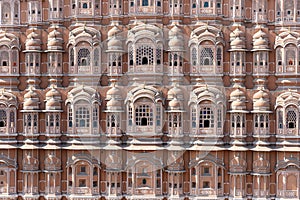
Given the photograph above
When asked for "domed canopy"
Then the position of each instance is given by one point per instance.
(114, 105)
(261, 101)
(238, 104)
(237, 40)
(115, 44)
(175, 105)
(261, 104)
(174, 31)
(237, 94)
(260, 41)
(175, 92)
(261, 94)
(33, 41)
(114, 92)
(55, 40)
(176, 44)
(113, 32)
(31, 100)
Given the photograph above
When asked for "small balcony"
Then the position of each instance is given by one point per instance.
(83, 190)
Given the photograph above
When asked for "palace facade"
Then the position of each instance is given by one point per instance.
(150, 99)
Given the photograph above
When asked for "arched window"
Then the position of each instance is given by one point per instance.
(291, 119)
(194, 56)
(72, 57)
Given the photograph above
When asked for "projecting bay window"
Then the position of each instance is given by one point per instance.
(145, 117)
(261, 124)
(83, 119)
(53, 123)
(7, 120)
(238, 124)
(32, 61)
(84, 60)
(30, 123)
(113, 123)
(54, 63)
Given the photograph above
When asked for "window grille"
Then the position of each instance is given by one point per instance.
(206, 56)
(144, 55)
(144, 115)
(206, 118)
(82, 117)
(3, 118)
(84, 57)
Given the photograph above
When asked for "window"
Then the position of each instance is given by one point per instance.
(84, 57)
(206, 4)
(206, 171)
(206, 56)
(3, 118)
(291, 118)
(206, 118)
(82, 169)
(280, 118)
(82, 117)
(145, 3)
(144, 55)
(144, 115)
(194, 117)
(206, 184)
(194, 56)
(82, 183)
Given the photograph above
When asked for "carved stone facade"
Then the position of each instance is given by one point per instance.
(149, 99)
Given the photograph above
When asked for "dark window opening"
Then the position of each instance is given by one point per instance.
(2, 123)
(144, 122)
(84, 5)
(145, 3)
(206, 124)
(145, 61)
(291, 125)
(144, 181)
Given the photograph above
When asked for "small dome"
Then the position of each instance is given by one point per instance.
(113, 92)
(238, 105)
(237, 33)
(174, 31)
(53, 93)
(31, 95)
(237, 43)
(55, 34)
(114, 104)
(175, 104)
(32, 104)
(259, 34)
(52, 103)
(33, 42)
(260, 43)
(175, 92)
(261, 103)
(54, 43)
(176, 43)
(113, 32)
(115, 44)
(237, 93)
(261, 94)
